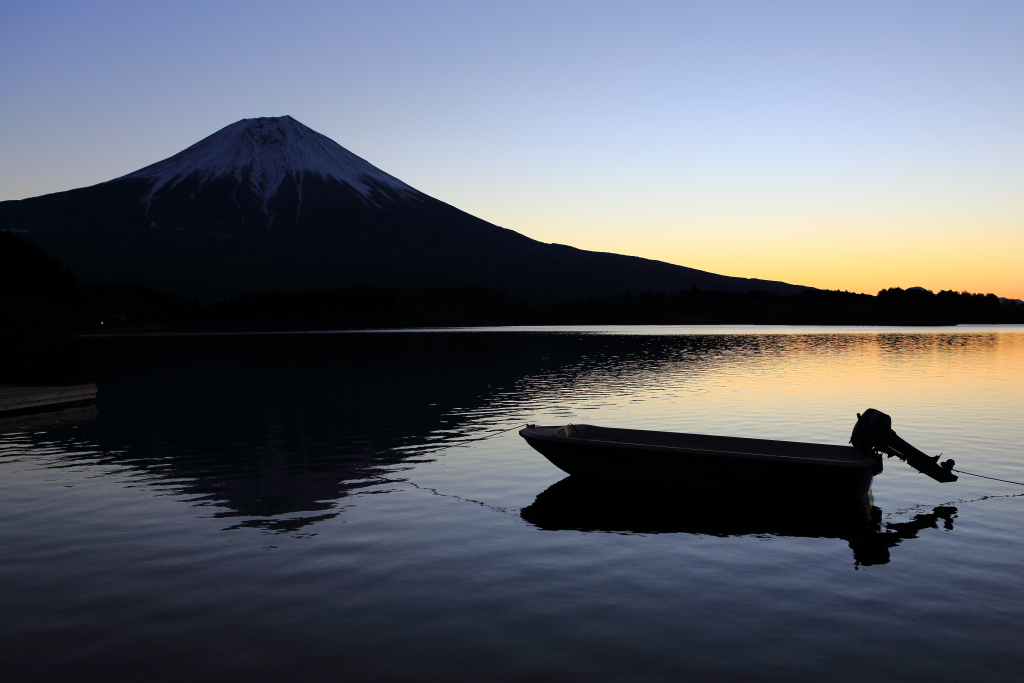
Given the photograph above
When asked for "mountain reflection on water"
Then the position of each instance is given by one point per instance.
(581, 504)
(270, 425)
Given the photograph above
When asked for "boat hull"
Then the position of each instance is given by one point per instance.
(723, 468)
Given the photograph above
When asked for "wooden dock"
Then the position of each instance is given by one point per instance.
(34, 420)
(16, 399)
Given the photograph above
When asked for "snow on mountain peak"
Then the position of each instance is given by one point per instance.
(270, 148)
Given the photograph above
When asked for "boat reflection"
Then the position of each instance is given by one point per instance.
(581, 504)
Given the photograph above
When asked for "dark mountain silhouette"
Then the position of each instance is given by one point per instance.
(268, 204)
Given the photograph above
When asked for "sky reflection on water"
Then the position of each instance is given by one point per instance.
(287, 505)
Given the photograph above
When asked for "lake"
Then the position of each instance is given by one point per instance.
(312, 507)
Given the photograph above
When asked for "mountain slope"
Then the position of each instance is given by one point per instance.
(268, 204)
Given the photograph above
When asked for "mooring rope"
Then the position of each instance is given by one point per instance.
(481, 438)
(1005, 481)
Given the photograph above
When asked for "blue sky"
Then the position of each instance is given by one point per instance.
(851, 145)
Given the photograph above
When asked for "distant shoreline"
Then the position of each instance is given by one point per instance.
(696, 329)
(38, 295)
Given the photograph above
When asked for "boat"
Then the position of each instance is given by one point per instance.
(733, 464)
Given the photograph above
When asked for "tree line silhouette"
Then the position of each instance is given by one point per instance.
(38, 295)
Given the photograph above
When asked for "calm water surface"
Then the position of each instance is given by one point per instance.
(308, 507)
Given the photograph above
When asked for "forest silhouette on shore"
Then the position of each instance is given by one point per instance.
(38, 295)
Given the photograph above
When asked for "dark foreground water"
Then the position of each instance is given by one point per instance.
(298, 508)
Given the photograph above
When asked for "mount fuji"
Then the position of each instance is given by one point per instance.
(268, 204)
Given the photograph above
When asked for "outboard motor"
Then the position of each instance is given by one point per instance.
(873, 435)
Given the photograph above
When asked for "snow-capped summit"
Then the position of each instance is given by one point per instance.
(265, 151)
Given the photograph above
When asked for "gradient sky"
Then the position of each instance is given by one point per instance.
(843, 145)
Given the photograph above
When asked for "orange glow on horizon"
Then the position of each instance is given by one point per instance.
(837, 258)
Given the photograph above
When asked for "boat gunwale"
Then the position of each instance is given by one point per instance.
(532, 433)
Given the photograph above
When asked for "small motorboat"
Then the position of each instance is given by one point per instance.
(733, 464)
